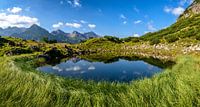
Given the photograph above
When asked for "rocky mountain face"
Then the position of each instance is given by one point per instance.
(192, 10)
(91, 35)
(74, 37)
(38, 33)
(61, 36)
(35, 32)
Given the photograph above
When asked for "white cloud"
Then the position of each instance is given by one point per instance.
(74, 3)
(150, 26)
(84, 22)
(122, 16)
(167, 9)
(137, 21)
(91, 26)
(175, 11)
(136, 35)
(14, 10)
(74, 25)
(2, 10)
(13, 20)
(58, 25)
(125, 22)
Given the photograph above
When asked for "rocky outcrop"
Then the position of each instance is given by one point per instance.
(52, 54)
(193, 9)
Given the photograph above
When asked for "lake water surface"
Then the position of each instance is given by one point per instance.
(120, 71)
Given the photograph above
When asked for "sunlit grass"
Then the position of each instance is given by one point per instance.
(21, 85)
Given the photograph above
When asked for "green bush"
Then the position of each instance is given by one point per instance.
(46, 40)
(132, 39)
(113, 39)
(197, 36)
(155, 41)
(171, 38)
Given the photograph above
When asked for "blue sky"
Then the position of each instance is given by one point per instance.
(120, 18)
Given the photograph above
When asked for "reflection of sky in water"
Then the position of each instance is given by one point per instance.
(122, 70)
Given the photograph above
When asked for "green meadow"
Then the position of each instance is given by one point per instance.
(22, 85)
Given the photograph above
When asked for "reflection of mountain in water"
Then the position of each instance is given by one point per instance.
(152, 61)
(75, 59)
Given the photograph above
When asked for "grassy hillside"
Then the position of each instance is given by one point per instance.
(183, 28)
(14, 46)
(187, 26)
(21, 85)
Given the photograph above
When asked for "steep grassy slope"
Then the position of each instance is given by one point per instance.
(21, 85)
(183, 28)
(187, 26)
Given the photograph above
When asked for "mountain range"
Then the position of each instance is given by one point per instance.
(38, 33)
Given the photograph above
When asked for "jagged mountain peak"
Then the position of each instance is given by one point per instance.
(91, 32)
(76, 32)
(35, 26)
(58, 32)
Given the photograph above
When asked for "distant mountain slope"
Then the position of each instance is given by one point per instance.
(38, 33)
(185, 27)
(35, 32)
(74, 37)
(91, 35)
(11, 30)
(60, 36)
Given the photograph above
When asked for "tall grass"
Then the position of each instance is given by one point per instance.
(21, 85)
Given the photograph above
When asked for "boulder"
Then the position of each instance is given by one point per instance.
(52, 54)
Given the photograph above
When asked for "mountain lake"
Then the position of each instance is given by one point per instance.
(120, 70)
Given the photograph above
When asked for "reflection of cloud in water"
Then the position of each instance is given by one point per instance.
(82, 72)
(145, 63)
(91, 68)
(75, 68)
(150, 67)
(137, 73)
(57, 68)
